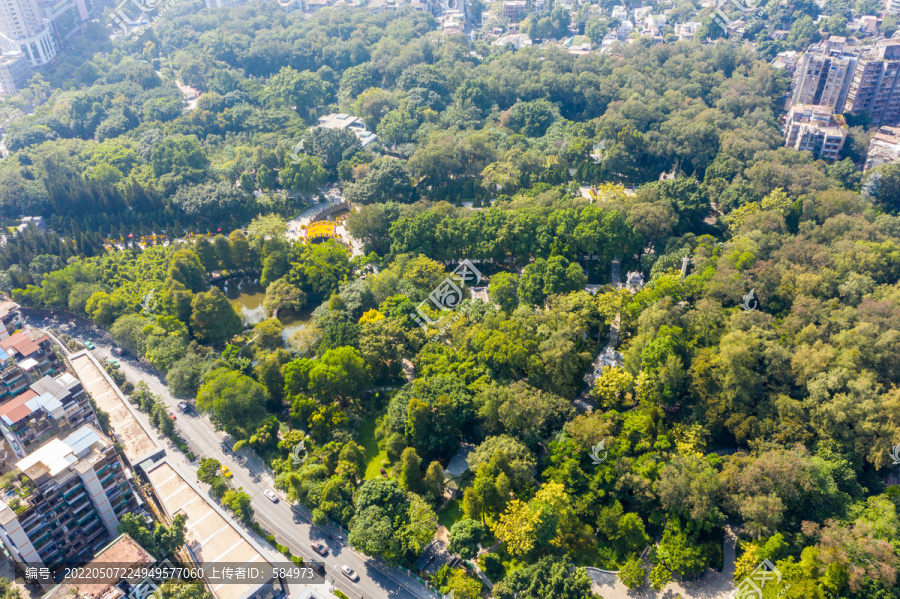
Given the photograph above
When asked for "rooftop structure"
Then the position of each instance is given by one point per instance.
(210, 535)
(634, 281)
(349, 122)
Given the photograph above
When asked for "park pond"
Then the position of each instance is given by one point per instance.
(246, 295)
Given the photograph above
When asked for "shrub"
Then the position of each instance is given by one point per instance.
(492, 566)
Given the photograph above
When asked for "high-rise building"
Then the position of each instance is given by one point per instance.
(66, 502)
(816, 129)
(23, 28)
(52, 407)
(875, 88)
(15, 71)
(822, 79)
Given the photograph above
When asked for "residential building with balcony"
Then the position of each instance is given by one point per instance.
(33, 353)
(816, 129)
(67, 505)
(51, 408)
(875, 85)
(822, 79)
(12, 379)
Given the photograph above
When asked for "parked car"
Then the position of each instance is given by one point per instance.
(171, 414)
(113, 362)
(271, 495)
(349, 573)
(87, 344)
(118, 351)
(226, 472)
(184, 406)
(319, 548)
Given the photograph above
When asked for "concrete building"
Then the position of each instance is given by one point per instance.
(823, 80)
(352, 123)
(884, 147)
(10, 318)
(123, 553)
(33, 221)
(786, 60)
(23, 28)
(687, 30)
(15, 71)
(52, 407)
(815, 128)
(211, 537)
(33, 355)
(874, 87)
(67, 502)
(514, 10)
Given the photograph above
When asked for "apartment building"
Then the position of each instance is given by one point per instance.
(15, 71)
(822, 80)
(50, 408)
(24, 28)
(12, 379)
(874, 87)
(10, 318)
(816, 129)
(25, 357)
(67, 501)
(514, 10)
(884, 147)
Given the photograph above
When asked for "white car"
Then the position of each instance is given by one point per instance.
(349, 573)
(271, 495)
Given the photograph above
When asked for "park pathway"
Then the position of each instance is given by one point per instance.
(712, 585)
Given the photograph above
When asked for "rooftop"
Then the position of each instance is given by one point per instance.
(124, 552)
(16, 409)
(23, 343)
(60, 454)
(211, 535)
(7, 306)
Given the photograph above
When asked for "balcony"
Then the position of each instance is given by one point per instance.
(87, 516)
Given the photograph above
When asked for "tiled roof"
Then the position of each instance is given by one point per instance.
(22, 344)
(15, 410)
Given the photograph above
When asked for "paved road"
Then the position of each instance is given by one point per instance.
(291, 524)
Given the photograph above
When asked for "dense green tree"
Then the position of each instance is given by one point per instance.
(213, 318)
(235, 402)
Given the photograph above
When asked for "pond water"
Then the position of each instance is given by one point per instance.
(247, 295)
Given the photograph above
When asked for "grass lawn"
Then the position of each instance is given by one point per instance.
(452, 514)
(367, 439)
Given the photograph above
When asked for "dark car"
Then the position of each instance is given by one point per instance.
(319, 548)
